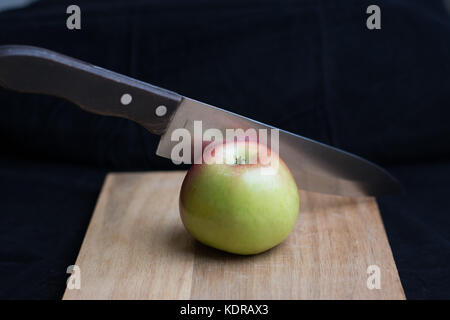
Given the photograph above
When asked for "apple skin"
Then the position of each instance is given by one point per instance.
(236, 208)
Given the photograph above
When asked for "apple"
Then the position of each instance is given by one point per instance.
(236, 206)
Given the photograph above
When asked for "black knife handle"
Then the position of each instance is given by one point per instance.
(94, 89)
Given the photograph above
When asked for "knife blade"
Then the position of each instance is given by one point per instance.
(315, 166)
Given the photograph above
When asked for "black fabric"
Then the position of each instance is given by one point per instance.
(45, 209)
(310, 67)
(417, 224)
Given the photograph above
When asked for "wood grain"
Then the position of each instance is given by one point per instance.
(137, 248)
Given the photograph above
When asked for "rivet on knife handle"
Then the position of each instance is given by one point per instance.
(94, 89)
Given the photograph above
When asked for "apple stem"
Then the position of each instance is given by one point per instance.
(240, 160)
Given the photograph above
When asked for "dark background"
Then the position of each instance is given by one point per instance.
(310, 67)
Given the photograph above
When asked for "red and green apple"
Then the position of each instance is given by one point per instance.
(240, 206)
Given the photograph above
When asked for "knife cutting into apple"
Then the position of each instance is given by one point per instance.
(315, 166)
(231, 206)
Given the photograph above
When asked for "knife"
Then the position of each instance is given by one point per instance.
(315, 166)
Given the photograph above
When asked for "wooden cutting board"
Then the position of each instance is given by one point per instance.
(137, 248)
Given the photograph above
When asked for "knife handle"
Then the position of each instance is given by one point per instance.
(94, 89)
